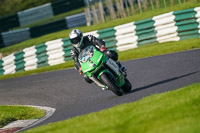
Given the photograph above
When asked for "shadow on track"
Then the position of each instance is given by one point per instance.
(162, 82)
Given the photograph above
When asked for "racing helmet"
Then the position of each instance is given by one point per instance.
(76, 38)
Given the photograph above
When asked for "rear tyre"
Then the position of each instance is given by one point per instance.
(127, 86)
(109, 83)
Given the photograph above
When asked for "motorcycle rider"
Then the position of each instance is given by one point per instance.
(79, 42)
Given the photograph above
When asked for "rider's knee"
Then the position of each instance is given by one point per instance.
(112, 54)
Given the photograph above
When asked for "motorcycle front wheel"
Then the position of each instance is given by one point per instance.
(109, 83)
(127, 86)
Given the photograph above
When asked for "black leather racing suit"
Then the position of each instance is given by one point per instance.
(87, 41)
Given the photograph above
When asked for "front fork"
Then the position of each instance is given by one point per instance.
(97, 81)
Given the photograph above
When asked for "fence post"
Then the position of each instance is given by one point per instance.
(111, 9)
(88, 16)
(158, 4)
(127, 9)
(152, 6)
(165, 4)
(132, 7)
(172, 2)
(120, 8)
(94, 12)
(101, 11)
(139, 5)
(145, 5)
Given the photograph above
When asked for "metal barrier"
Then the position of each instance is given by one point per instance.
(13, 37)
(9, 22)
(48, 28)
(35, 14)
(1, 42)
(76, 20)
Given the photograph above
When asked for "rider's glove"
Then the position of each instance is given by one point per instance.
(103, 48)
(80, 71)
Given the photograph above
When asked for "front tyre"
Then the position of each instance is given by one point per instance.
(109, 83)
(127, 86)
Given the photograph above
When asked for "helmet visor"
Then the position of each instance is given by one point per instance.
(75, 40)
(78, 45)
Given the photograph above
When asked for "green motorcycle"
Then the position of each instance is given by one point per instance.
(103, 71)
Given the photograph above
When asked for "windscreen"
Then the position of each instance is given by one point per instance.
(86, 54)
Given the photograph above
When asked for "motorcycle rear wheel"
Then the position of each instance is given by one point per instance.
(109, 83)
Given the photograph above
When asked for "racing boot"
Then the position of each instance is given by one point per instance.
(104, 88)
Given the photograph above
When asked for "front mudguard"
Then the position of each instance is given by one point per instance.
(103, 71)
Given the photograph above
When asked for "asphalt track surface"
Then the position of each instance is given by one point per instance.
(67, 91)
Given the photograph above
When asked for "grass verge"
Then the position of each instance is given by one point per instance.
(141, 52)
(12, 113)
(63, 34)
(171, 112)
(159, 49)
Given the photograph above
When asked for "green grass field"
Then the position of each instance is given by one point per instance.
(171, 112)
(13, 113)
